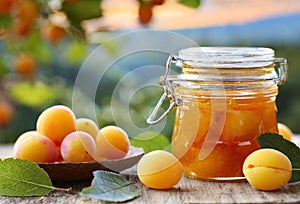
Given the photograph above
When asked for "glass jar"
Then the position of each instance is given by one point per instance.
(225, 98)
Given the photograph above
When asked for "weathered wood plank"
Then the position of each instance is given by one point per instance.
(186, 191)
(195, 191)
(6, 150)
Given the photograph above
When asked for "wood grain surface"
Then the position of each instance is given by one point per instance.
(186, 191)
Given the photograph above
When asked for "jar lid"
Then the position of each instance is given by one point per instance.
(227, 57)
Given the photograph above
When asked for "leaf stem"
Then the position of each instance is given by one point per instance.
(66, 190)
(295, 169)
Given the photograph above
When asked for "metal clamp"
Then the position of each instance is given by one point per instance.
(171, 60)
(151, 119)
(169, 94)
(281, 69)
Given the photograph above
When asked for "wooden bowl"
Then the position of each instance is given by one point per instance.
(83, 171)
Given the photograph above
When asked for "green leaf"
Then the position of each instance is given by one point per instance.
(191, 3)
(111, 187)
(31, 94)
(42, 3)
(23, 178)
(5, 21)
(150, 141)
(76, 52)
(36, 45)
(291, 150)
(3, 67)
(81, 10)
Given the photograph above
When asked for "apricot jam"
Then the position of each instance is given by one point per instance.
(225, 98)
(220, 138)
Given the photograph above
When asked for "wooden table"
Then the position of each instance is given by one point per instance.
(186, 191)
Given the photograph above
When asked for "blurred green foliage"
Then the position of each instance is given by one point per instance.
(191, 3)
(288, 99)
(58, 65)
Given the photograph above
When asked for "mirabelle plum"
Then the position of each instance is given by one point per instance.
(56, 123)
(53, 33)
(112, 143)
(24, 136)
(36, 147)
(145, 12)
(5, 7)
(6, 112)
(25, 64)
(159, 170)
(158, 2)
(20, 28)
(59, 157)
(285, 131)
(87, 125)
(78, 147)
(267, 169)
(26, 12)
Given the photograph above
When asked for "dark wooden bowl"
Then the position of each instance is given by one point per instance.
(83, 171)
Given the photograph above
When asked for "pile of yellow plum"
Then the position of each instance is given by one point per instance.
(60, 136)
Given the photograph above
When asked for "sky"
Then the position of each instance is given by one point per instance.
(172, 15)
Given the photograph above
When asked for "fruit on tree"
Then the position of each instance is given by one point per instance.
(145, 12)
(25, 64)
(5, 7)
(6, 112)
(53, 33)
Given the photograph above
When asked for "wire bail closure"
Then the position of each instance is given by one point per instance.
(281, 68)
(169, 94)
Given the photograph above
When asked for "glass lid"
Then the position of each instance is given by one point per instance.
(227, 57)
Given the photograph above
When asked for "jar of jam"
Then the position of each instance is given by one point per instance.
(225, 98)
